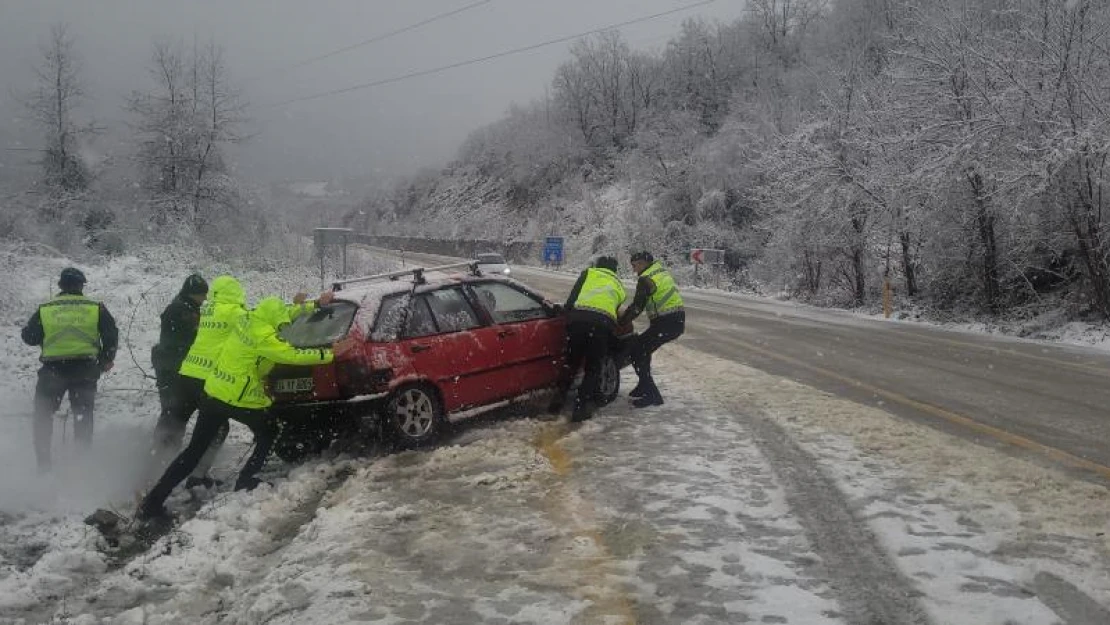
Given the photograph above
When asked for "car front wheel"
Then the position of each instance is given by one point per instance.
(414, 415)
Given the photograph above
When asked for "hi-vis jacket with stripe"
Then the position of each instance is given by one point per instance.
(252, 350)
(219, 315)
(72, 327)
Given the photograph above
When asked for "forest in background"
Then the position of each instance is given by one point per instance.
(956, 147)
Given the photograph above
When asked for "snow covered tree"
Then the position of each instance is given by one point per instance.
(604, 90)
(59, 91)
(184, 121)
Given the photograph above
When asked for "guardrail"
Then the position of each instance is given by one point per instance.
(513, 251)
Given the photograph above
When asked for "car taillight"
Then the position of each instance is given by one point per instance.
(325, 382)
(359, 377)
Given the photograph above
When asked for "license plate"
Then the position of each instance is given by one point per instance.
(293, 385)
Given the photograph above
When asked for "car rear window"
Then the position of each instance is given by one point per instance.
(323, 327)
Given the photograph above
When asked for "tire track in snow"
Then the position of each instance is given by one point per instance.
(871, 589)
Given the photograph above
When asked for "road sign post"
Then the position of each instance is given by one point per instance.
(705, 256)
(553, 251)
(322, 238)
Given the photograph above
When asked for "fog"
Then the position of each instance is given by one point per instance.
(392, 129)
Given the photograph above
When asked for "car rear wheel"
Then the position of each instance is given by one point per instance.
(610, 385)
(414, 415)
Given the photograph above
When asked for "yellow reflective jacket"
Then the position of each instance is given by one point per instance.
(219, 315)
(601, 292)
(664, 299)
(252, 350)
(70, 326)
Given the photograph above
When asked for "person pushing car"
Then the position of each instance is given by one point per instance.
(656, 293)
(591, 320)
(235, 391)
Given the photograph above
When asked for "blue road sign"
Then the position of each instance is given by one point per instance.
(553, 250)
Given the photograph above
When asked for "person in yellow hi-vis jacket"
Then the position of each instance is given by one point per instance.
(79, 339)
(225, 307)
(591, 320)
(657, 294)
(235, 391)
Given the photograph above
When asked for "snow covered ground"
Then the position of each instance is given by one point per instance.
(746, 498)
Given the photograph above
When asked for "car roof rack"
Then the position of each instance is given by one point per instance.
(417, 274)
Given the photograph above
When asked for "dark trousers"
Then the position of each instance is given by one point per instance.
(77, 378)
(661, 330)
(180, 396)
(588, 344)
(214, 415)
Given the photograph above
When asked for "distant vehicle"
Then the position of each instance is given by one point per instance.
(492, 263)
(432, 348)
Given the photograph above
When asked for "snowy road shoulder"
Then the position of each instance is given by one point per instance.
(974, 527)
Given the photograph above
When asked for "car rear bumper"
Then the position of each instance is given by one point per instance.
(354, 407)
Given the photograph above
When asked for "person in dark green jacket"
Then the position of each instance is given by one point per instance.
(235, 391)
(180, 321)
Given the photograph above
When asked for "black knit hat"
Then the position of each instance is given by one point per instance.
(71, 277)
(643, 255)
(194, 285)
(607, 262)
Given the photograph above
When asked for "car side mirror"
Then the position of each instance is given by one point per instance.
(553, 309)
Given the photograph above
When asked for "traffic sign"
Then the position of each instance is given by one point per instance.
(702, 256)
(553, 250)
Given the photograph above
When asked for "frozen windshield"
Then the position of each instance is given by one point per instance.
(323, 327)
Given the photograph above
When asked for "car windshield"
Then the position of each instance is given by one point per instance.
(323, 327)
(491, 259)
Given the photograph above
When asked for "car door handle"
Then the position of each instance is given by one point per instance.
(503, 333)
(416, 349)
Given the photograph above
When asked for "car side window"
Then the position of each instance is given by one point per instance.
(451, 310)
(391, 317)
(506, 304)
(420, 321)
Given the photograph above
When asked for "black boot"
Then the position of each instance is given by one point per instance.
(583, 411)
(556, 405)
(648, 399)
(153, 512)
(637, 391)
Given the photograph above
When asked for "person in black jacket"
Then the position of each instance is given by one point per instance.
(178, 396)
(78, 338)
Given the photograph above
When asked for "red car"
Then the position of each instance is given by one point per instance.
(433, 348)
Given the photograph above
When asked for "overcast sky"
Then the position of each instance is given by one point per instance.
(390, 129)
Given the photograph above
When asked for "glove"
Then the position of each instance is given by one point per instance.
(300, 297)
(325, 298)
